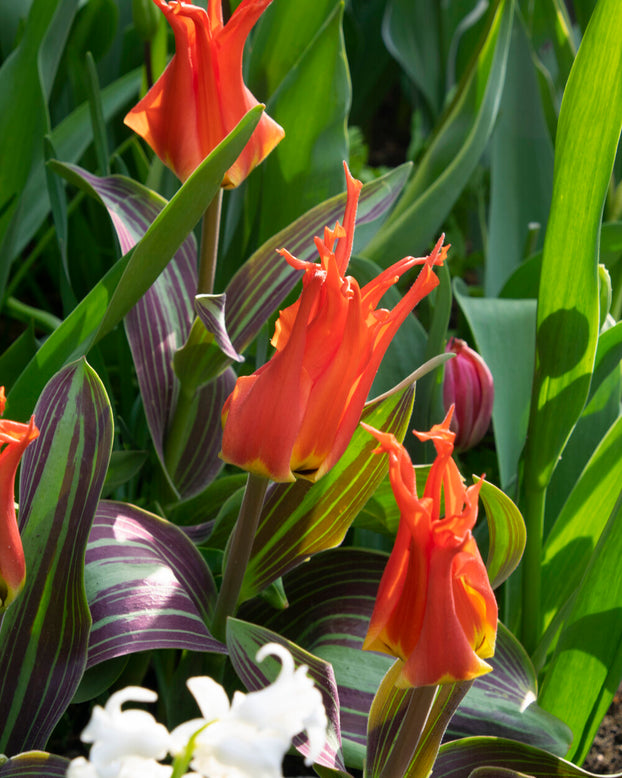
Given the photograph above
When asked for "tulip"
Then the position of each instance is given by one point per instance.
(435, 609)
(14, 438)
(201, 95)
(296, 415)
(468, 385)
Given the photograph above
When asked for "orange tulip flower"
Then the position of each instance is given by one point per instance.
(296, 415)
(201, 95)
(14, 437)
(435, 608)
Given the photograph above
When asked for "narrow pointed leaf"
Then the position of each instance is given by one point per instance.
(507, 533)
(43, 637)
(243, 642)
(326, 509)
(147, 586)
(568, 304)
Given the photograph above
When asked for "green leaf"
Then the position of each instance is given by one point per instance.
(521, 165)
(301, 519)
(34, 764)
(589, 649)
(43, 637)
(567, 324)
(131, 276)
(506, 531)
(504, 331)
(26, 79)
(457, 147)
(298, 67)
(581, 522)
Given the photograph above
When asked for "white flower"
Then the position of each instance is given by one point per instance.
(249, 738)
(126, 744)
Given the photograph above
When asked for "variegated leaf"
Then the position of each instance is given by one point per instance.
(299, 520)
(147, 585)
(244, 640)
(507, 533)
(44, 635)
(34, 764)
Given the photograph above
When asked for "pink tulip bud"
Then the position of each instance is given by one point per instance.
(468, 385)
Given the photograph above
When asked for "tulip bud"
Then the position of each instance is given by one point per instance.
(468, 385)
(146, 18)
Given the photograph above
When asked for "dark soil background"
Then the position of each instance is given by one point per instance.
(606, 754)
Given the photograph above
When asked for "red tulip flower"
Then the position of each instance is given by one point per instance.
(14, 438)
(468, 385)
(435, 609)
(296, 415)
(201, 95)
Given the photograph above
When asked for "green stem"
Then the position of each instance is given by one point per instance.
(241, 545)
(409, 734)
(209, 245)
(178, 432)
(531, 627)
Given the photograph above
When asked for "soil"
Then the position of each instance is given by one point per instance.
(605, 756)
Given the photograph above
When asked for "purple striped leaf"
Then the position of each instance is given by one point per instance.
(300, 519)
(331, 599)
(208, 351)
(44, 635)
(243, 642)
(34, 764)
(147, 586)
(156, 327)
(460, 758)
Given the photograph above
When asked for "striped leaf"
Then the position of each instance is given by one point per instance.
(331, 599)
(44, 636)
(147, 585)
(506, 530)
(34, 764)
(243, 642)
(156, 327)
(299, 519)
(461, 757)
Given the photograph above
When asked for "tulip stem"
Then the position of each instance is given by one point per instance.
(178, 432)
(531, 626)
(209, 245)
(240, 547)
(413, 724)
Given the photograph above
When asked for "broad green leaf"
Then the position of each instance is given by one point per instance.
(589, 648)
(506, 532)
(521, 167)
(139, 558)
(301, 519)
(460, 758)
(299, 67)
(581, 522)
(457, 147)
(26, 79)
(504, 332)
(243, 642)
(44, 635)
(567, 324)
(34, 764)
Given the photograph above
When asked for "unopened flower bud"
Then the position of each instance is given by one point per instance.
(468, 385)
(146, 18)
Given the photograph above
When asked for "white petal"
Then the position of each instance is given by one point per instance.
(81, 768)
(210, 696)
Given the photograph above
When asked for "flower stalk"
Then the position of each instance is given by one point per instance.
(241, 544)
